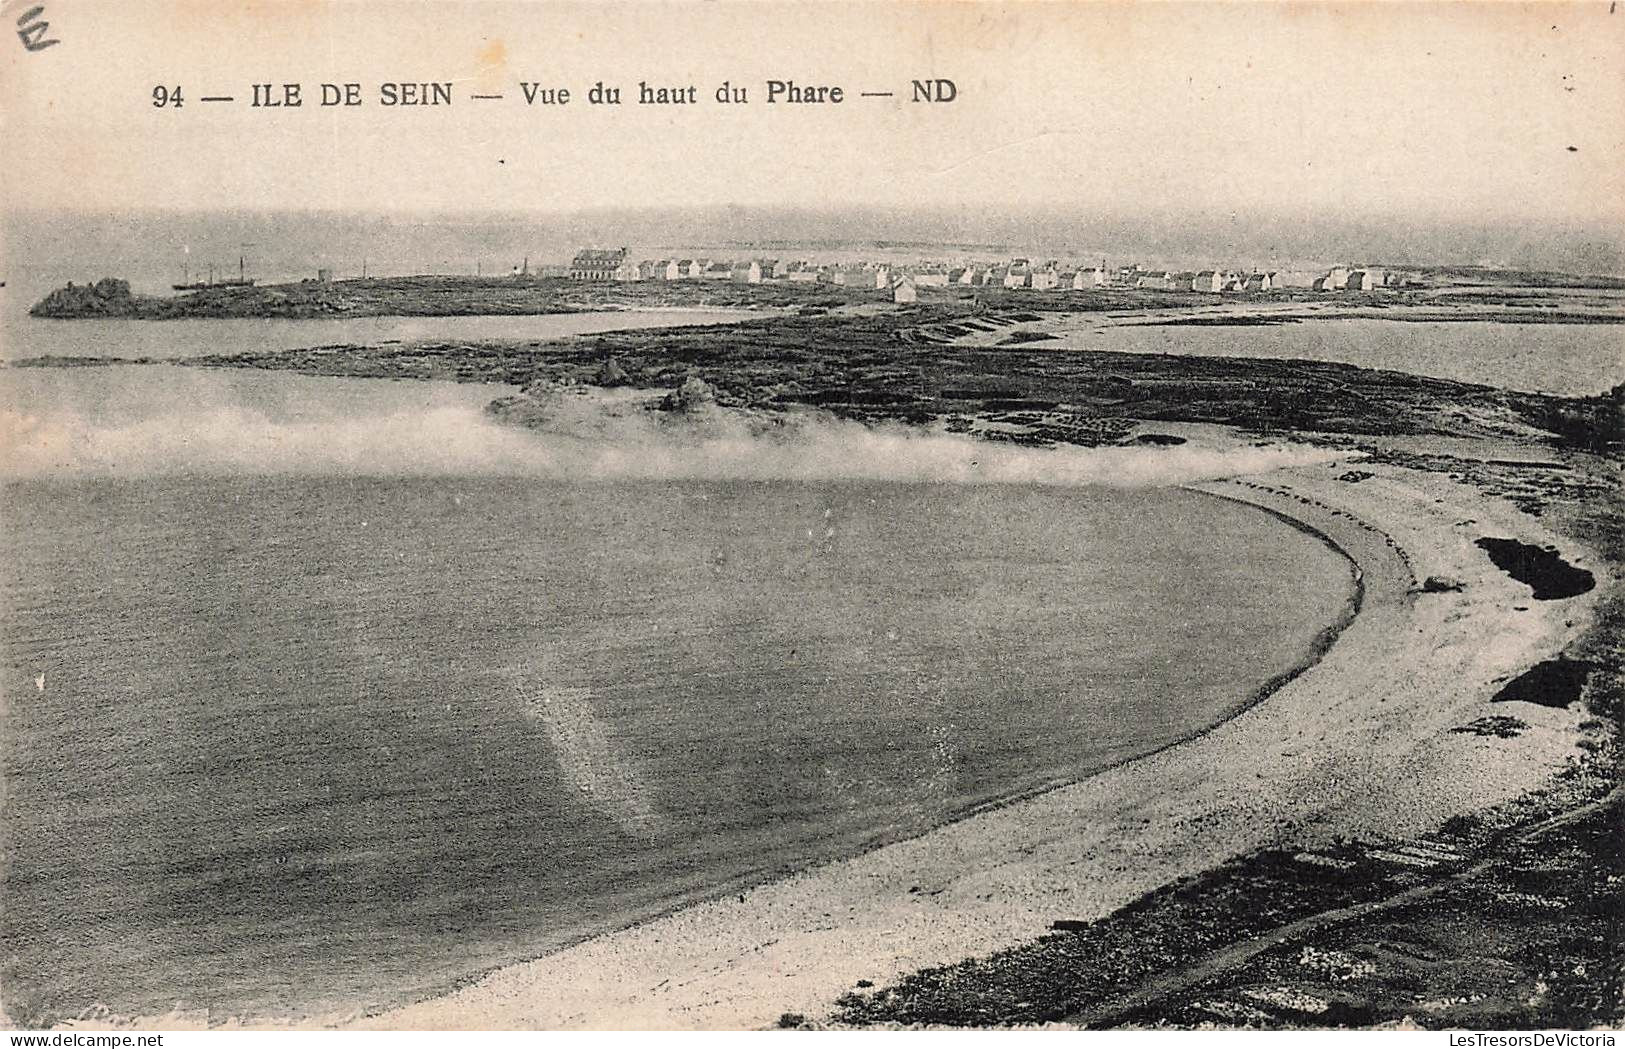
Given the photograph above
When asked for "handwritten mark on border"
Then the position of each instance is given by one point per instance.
(32, 32)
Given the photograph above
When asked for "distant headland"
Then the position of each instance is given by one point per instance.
(608, 279)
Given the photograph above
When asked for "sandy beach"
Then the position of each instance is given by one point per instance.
(1359, 745)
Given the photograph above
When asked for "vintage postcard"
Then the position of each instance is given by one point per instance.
(818, 515)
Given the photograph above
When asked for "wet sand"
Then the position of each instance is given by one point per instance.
(1358, 744)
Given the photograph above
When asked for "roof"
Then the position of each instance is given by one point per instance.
(605, 255)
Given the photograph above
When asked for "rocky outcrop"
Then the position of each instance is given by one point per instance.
(518, 410)
(108, 297)
(694, 397)
(610, 373)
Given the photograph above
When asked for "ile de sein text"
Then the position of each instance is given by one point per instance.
(788, 93)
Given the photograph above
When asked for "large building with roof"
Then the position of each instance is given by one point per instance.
(597, 264)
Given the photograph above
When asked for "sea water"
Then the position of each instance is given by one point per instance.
(308, 729)
(1571, 360)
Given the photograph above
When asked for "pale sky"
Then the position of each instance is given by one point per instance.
(1503, 113)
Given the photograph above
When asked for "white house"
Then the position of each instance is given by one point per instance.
(801, 273)
(930, 277)
(904, 290)
(1019, 274)
(1208, 281)
(1045, 278)
(865, 277)
(718, 271)
(1088, 278)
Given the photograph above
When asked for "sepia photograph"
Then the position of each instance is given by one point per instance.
(811, 515)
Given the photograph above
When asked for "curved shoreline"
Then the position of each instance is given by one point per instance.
(1322, 642)
(1324, 639)
(1309, 655)
(1384, 762)
(1356, 743)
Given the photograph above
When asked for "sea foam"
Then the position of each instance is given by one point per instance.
(458, 439)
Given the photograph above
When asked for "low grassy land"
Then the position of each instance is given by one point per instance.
(896, 366)
(880, 367)
(431, 296)
(443, 296)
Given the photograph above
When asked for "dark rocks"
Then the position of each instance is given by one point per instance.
(108, 297)
(1498, 725)
(1554, 683)
(1543, 568)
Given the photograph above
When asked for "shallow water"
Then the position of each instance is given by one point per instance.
(1574, 360)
